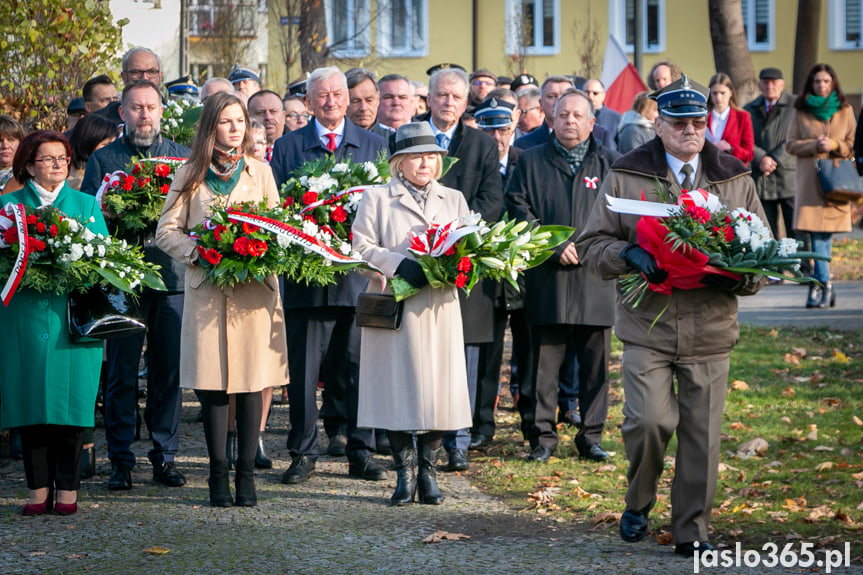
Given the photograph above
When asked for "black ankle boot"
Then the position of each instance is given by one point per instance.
(828, 296)
(88, 462)
(220, 488)
(245, 483)
(814, 298)
(406, 484)
(428, 489)
(231, 449)
(261, 459)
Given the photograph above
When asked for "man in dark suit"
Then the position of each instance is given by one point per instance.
(141, 109)
(558, 183)
(320, 320)
(497, 116)
(364, 100)
(476, 176)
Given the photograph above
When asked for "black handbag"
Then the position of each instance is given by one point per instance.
(840, 181)
(103, 312)
(379, 310)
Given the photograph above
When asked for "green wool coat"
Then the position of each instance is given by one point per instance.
(44, 377)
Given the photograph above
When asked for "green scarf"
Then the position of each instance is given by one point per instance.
(821, 107)
(221, 186)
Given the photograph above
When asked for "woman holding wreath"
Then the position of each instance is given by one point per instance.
(412, 381)
(47, 382)
(233, 339)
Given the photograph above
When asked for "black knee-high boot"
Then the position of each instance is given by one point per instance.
(249, 406)
(214, 409)
(430, 444)
(405, 458)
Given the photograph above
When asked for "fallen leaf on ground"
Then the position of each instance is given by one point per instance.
(820, 512)
(739, 385)
(157, 551)
(792, 359)
(795, 505)
(788, 392)
(857, 421)
(605, 468)
(839, 357)
(785, 418)
(813, 433)
(439, 536)
(605, 519)
(822, 448)
(831, 401)
(663, 537)
(757, 446)
(824, 465)
(798, 351)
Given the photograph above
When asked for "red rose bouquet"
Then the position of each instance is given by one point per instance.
(467, 250)
(699, 237)
(47, 251)
(135, 198)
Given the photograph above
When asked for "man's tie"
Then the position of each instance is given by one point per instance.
(331, 141)
(769, 106)
(442, 141)
(269, 154)
(686, 170)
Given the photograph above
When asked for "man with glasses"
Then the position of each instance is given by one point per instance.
(481, 83)
(676, 348)
(605, 117)
(296, 114)
(530, 114)
(141, 64)
(141, 110)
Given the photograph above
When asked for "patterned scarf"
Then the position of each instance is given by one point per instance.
(224, 164)
(419, 194)
(822, 107)
(575, 156)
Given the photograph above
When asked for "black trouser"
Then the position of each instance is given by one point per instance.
(52, 456)
(782, 207)
(214, 408)
(593, 348)
(401, 440)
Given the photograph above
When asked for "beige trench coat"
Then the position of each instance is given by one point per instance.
(415, 378)
(233, 339)
(811, 212)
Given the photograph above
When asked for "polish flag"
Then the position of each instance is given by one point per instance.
(620, 78)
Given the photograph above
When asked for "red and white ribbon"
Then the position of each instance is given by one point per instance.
(15, 214)
(445, 237)
(111, 180)
(334, 198)
(591, 183)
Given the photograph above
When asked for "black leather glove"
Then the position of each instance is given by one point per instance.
(642, 260)
(412, 273)
(720, 282)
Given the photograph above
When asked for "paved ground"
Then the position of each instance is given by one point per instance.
(785, 304)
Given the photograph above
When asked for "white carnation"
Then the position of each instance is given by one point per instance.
(76, 252)
(345, 248)
(283, 240)
(88, 250)
(73, 225)
(340, 168)
(304, 181)
(87, 235)
(371, 170)
(310, 228)
(787, 247)
(100, 250)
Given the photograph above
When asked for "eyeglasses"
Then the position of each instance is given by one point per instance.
(502, 131)
(50, 160)
(483, 83)
(294, 116)
(135, 73)
(528, 109)
(680, 125)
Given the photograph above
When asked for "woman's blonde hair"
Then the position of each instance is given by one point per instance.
(396, 162)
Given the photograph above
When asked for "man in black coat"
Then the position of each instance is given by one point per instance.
(141, 109)
(558, 183)
(320, 320)
(476, 176)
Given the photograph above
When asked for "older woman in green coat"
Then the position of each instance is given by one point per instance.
(48, 383)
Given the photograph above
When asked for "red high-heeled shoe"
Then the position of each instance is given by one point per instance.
(66, 508)
(39, 508)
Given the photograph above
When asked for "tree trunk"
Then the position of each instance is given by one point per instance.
(312, 35)
(730, 50)
(806, 42)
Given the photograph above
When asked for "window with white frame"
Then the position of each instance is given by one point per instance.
(533, 27)
(213, 17)
(846, 24)
(348, 27)
(621, 22)
(759, 24)
(403, 29)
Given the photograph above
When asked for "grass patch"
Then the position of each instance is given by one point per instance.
(799, 390)
(847, 261)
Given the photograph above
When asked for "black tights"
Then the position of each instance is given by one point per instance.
(52, 456)
(401, 440)
(215, 411)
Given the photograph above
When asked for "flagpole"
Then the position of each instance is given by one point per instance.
(637, 27)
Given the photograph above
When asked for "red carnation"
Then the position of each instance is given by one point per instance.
(31, 220)
(698, 213)
(52, 230)
(217, 231)
(128, 182)
(257, 248)
(249, 228)
(115, 184)
(136, 169)
(241, 245)
(10, 236)
(450, 251)
(165, 188)
(464, 265)
(40, 227)
(310, 198)
(210, 255)
(340, 214)
(36, 245)
(728, 232)
(461, 280)
(143, 182)
(289, 201)
(162, 170)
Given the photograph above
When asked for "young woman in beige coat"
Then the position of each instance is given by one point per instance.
(413, 380)
(233, 339)
(822, 127)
